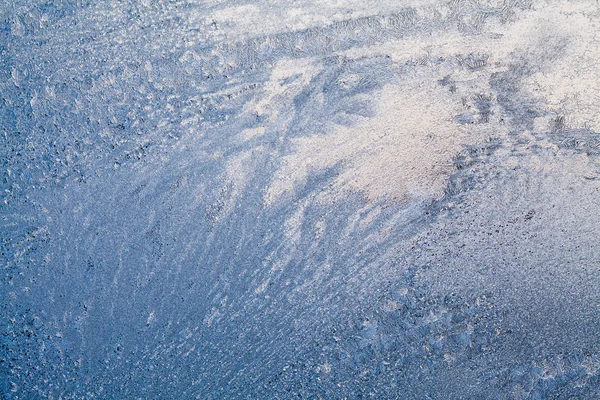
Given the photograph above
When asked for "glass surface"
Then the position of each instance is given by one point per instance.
(308, 199)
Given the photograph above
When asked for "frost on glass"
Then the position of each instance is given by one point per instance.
(300, 200)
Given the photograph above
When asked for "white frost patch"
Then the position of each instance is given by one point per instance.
(288, 78)
(268, 17)
(570, 86)
(404, 151)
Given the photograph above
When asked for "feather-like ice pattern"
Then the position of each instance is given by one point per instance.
(351, 199)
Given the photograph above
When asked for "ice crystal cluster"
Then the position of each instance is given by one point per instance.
(231, 199)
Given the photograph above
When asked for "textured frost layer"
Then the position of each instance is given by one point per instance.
(320, 200)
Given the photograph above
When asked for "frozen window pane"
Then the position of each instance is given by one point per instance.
(300, 199)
